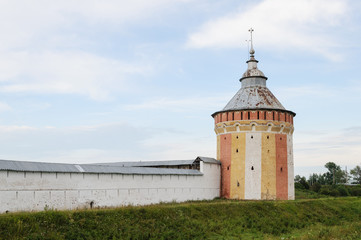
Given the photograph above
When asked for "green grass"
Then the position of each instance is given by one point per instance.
(308, 194)
(325, 218)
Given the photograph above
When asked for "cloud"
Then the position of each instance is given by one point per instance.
(101, 143)
(181, 105)
(38, 40)
(340, 146)
(307, 25)
(4, 107)
(120, 141)
(25, 23)
(71, 72)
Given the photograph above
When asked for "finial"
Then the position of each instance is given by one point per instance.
(251, 51)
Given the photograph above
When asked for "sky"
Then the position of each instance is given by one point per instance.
(102, 81)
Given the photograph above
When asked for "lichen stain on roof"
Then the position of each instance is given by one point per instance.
(256, 97)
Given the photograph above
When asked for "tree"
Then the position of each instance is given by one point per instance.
(317, 178)
(335, 174)
(301, 182)
(356, 173)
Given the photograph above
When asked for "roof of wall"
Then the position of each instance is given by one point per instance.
(128, 168)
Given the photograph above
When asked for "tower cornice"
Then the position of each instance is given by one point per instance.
(254, 109)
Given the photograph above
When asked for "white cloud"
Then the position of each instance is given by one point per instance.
(181, 105)
(4, 107)
(25, 22)
(102, 143)
(340, 146)
(281, 24)
(74, 144)
(66, 72)
(38, 38)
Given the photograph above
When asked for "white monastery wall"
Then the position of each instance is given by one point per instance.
(36, 191)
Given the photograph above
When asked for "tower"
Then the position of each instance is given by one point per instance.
(254, 141)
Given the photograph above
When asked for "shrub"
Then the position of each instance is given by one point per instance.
(334, 192)
(325, 190)
(343, 190)
(355, 190)
(316, 187)
(299, 185)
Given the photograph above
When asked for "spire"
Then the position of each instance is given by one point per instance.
(251, 51)
(252, 70)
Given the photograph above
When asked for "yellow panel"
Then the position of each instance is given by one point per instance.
(231, 128)
(238, 165)
(268, 179)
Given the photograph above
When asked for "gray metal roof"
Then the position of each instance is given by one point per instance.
(160, 163)
(138, 170)
(36, 166)
(209, 160)
(23, 166)
(255, 97)
(149, 163)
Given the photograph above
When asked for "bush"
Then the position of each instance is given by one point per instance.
(354, 190)
(334, 192)
(299, 185)
(343, 190)
(316, 187)
(325, 190)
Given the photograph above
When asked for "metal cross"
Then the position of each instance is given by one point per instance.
(251, 51)
(251, 31)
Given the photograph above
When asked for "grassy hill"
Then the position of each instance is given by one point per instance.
(218, 219)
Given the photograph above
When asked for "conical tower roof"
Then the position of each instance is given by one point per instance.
(254, 94)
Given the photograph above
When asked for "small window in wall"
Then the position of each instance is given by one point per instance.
(252, 168)
(227, 167)
(252, 137)
(237, 137)
(280, 138)
(237, 184)
(237, 150)
(91, 204)
(249, 115)
(224, 137)
(281, 169)
(267, 137)
(257, 115)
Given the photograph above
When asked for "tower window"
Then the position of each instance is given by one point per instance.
(252, 168)
(257, 115)
(267, 137)
(281, 169)
(224, 137)
(237, 150)
(248, 113)
(237, 184)
(227, 167)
